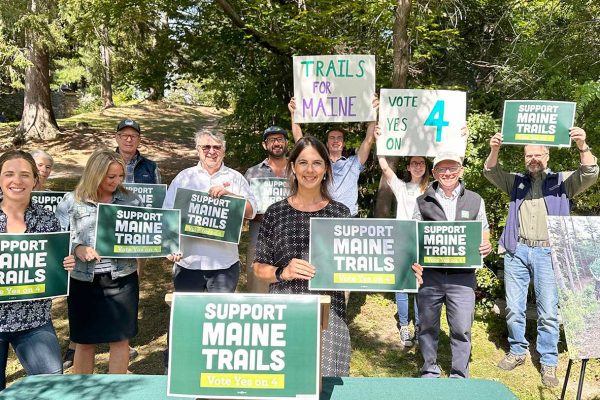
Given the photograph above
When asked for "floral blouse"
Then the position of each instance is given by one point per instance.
(29, 314)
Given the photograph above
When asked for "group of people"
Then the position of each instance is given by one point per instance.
(104, 294)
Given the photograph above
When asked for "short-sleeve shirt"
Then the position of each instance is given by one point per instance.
(21, 315)
(346, 172)
(406, 196)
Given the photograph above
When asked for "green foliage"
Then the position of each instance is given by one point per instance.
(575, 307)
(489, 287)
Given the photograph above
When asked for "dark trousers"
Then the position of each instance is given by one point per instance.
(456, 291)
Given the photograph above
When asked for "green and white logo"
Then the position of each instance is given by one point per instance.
(130, 232)
(244, 346)
(31, 265)
(268, 191)
(363, 254)
(538, 122)
(49, 200)
(450, 244)
(152, 195)
(207, 217)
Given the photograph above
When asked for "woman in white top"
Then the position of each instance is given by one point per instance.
(412, 185)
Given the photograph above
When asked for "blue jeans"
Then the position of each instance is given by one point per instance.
(526, 263)
(37, 349)
(402, 304)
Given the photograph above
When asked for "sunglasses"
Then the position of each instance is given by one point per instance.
(206, 147)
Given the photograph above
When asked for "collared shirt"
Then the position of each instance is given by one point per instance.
(21, 315)
(448, 204)
(260, 170)
(533, 212)
(130, 167)
(202, 253)
(346, 172)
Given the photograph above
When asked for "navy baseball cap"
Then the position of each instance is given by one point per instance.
(129, 123)
(272, 130)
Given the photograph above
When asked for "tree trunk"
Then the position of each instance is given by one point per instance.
(385, 196)
(107, 94)
(38, 118)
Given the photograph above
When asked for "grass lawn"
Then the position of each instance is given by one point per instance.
(168, 139)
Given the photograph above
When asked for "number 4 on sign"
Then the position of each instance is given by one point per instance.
(436, 118)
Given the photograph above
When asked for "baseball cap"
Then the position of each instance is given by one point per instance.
(447, 155)
(272, 130)
(129, 123)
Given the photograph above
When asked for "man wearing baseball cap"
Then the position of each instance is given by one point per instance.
(139, 169)
(274, 141)
(448, 200)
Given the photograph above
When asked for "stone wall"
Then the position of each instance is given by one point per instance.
(63, 103)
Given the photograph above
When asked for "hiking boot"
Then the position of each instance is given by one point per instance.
(510, 361)
(68, 358)
(405, 336)
(132, 353)
(548, 373)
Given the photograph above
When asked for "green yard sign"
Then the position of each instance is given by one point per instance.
(450, 244)
(268, 191)
(152, 195)
(538, 122)
(207, 217)
(131, 232)
(49, 200)
(244, 346)
(31, 265)
(363, 254)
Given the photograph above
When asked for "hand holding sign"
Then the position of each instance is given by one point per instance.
(86, 253)
(69, 263)
(418, 273)
(496, 141)
(298, 269)
(578, 135)
(485, 248)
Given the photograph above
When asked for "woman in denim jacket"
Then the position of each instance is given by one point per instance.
(26, 325)
(104, 293)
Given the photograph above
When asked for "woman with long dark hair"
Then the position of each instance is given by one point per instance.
(283, 244)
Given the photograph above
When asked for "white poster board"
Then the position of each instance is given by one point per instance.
(336, 88)
(417, 122)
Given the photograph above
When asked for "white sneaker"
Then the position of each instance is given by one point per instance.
(405, 336)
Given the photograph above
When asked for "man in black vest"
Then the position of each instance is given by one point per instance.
(448, 200)
(138, 169)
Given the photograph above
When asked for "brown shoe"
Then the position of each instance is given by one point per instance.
(548, 373)
(511, 361)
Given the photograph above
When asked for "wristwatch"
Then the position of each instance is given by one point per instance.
(278, 272)
(587, 148)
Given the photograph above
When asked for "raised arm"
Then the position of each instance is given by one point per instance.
(585, 155)
(296, 130)
(367, 143)
(385, 168)
(495, 143)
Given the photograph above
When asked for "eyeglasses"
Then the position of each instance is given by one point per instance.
(275, 140)
(417, 163)
(447, 170)
(128, 136)
(206, 147)
(536, 156)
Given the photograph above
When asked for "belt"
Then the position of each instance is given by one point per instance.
(534, 243)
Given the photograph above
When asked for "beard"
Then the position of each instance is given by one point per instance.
(276, 152)
(535, 167)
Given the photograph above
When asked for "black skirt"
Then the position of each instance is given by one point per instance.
(104, 310)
